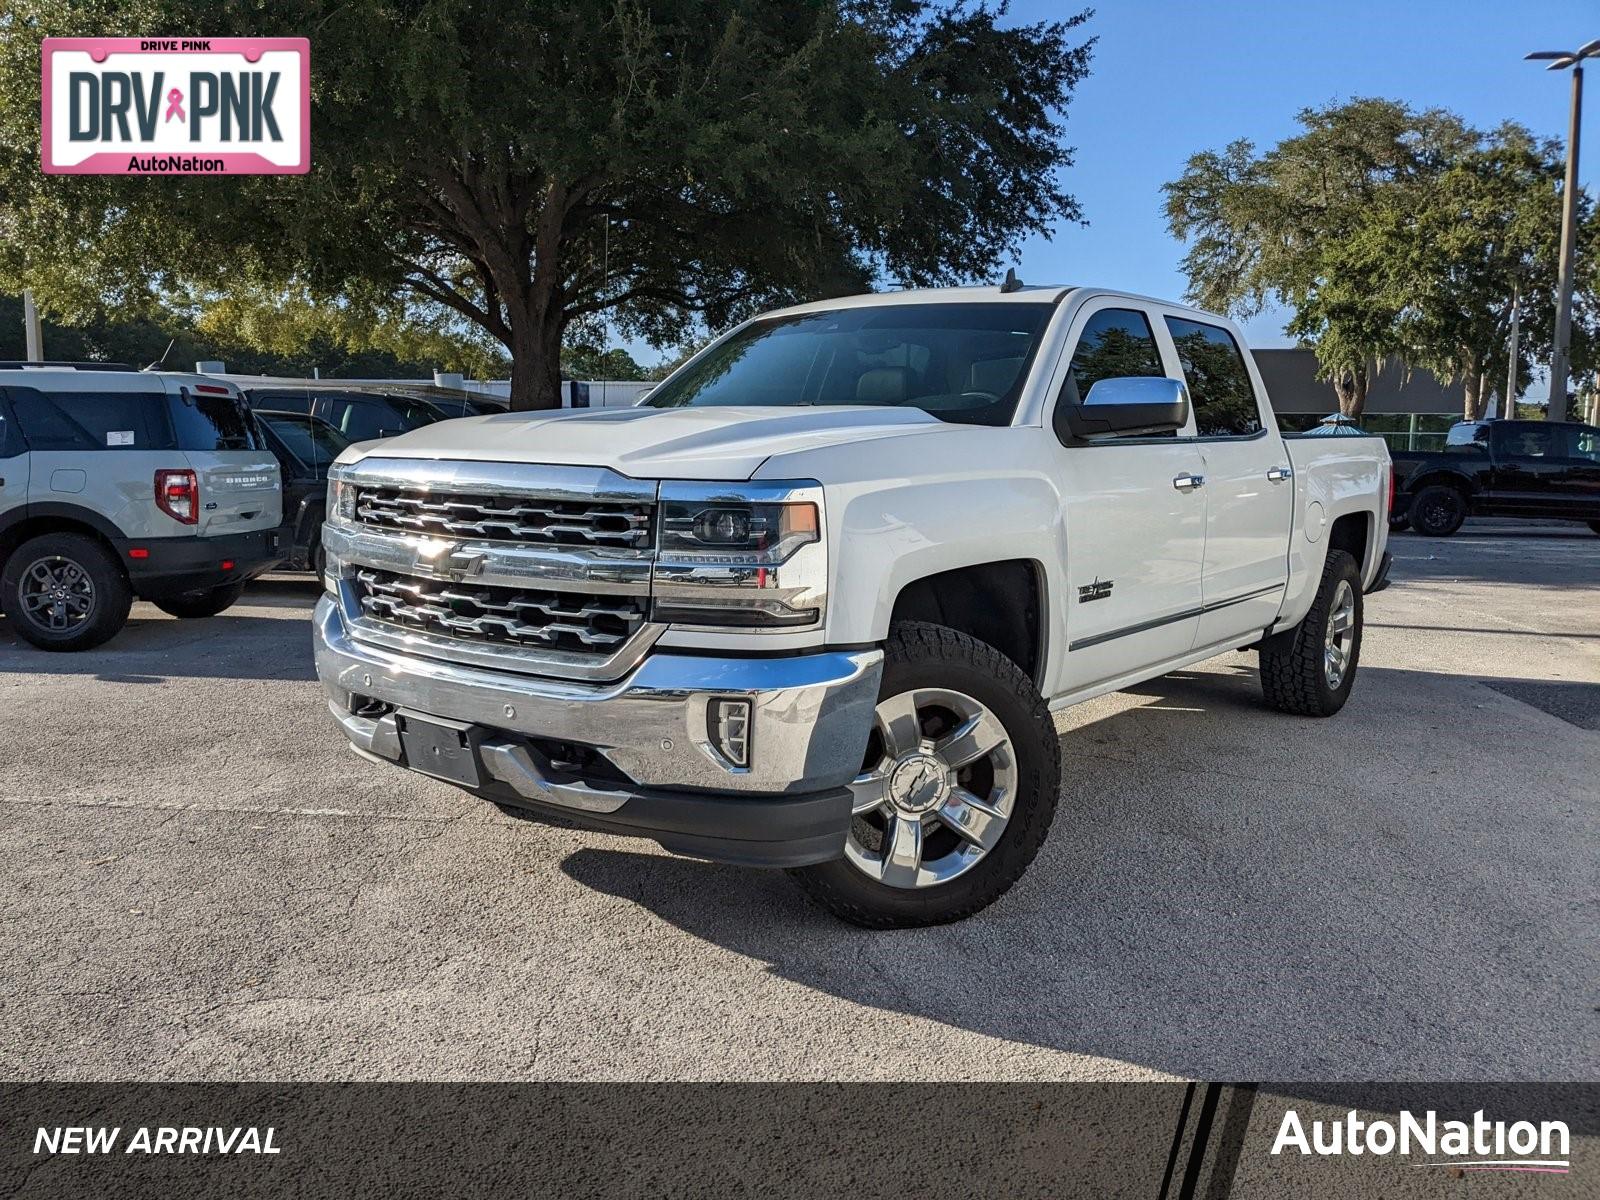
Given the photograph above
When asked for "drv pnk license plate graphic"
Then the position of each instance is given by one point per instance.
(176, 106)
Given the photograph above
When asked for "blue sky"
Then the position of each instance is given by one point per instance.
(1169, 79)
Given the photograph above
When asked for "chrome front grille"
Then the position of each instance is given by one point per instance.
(567, 621)
(533, 568)
(506, 518)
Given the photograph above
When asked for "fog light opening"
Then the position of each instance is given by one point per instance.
(729, 722)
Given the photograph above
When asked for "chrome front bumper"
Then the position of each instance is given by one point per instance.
(810, 716)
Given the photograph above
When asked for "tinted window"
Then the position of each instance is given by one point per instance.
(1523, 440)
(1115, 343)
(366, 417)
(293, 400)
(1467, 439)
(92, 420)
(1583, 442)
(315, 443)
(461, 406)
(1219, 382)
(205, 422)
(959, 362)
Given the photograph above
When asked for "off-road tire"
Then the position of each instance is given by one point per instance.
(1438, 510)
(207, 602)
(112, 595)
(919, 654)
(1293, 674)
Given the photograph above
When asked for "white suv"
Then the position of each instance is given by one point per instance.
(117, 483)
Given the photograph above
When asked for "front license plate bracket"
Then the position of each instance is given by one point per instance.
(446, 750)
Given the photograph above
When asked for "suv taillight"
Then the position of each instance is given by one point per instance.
(178, 495)
(1389, 511)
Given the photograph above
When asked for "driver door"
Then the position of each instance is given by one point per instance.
(1134, 510)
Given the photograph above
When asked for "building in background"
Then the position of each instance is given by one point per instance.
(1411, 409)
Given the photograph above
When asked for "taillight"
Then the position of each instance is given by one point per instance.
(1390, 509)
(178, 495)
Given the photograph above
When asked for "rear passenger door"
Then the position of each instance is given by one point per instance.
(1135, 521)
(1248, 484)
(1580, 479)
(98, 449)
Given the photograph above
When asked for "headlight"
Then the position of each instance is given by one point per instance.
(341, 500)
(740, 555)
(721, 532)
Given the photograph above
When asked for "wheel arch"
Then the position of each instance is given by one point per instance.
(34, 520)
(1352, 533)
(1461, 482)
(1001, 603)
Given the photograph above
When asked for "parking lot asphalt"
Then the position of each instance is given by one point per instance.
(201, 882)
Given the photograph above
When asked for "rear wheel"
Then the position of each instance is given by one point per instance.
(207, 602)
(956, 792)
(1438, 510)
(1310, 669)
(65, 591)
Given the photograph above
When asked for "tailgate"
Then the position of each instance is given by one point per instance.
(240, 491)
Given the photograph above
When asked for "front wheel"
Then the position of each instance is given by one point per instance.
(956, 792)
(207, 602)
(1310, 669)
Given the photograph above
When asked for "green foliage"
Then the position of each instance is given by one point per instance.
(519, 168)
(1388, 232)
(584, 360)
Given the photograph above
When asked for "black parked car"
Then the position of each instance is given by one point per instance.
(466, 406)
(1535, 469)
(305, 447)
(359, 415)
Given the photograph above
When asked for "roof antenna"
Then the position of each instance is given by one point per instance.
(1012, 283)
(162, 361)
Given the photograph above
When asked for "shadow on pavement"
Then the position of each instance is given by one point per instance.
(152, 650)
(1208, 923)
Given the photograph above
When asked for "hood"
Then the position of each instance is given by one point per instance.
(723, 443)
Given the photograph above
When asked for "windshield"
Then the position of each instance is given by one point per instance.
(959, 362)
(313, 442)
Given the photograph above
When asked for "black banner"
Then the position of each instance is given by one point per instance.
(1158, 1141)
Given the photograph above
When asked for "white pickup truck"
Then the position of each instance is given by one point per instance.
(812, 603)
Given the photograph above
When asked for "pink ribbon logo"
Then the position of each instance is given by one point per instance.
(175, 106)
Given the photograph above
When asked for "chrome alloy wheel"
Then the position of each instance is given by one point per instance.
(57, 594)
(1340, 636)
(935, 792)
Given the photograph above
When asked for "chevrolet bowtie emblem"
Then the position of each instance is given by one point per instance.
(449, 560)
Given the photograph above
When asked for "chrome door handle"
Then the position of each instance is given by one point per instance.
(1279, 474)
(1187, 482)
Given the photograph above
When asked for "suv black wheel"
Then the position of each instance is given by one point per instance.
(207, 602)
(1310, 669)
(65, 591)
(957, 791)
(1438, 510)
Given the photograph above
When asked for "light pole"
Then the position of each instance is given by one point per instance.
(1560, 60)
